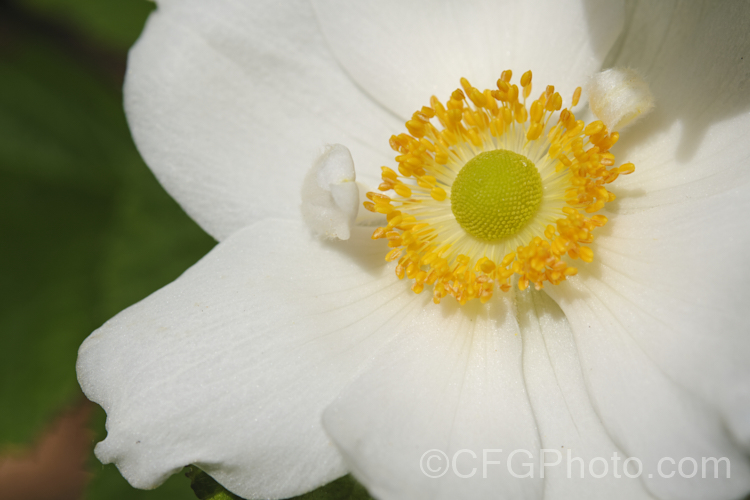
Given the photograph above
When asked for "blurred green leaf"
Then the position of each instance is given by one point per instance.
(86, 231)
(48, 297)
(57, 137)
(113, 23)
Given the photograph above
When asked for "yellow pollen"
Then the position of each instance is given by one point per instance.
(497, 189)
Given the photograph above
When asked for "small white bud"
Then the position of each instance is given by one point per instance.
(330, 198)
(619, 97)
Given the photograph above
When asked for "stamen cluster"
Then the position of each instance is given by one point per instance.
(428, 245)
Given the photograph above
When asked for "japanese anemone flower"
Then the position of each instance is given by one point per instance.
(282, 361)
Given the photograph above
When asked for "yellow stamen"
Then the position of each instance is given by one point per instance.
(434, 249)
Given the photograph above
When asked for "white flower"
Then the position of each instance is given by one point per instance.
(280, 362)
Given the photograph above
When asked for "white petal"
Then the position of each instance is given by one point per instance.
(696, 58)
(330, 196)
(647, 413)
(668, 288)
(451, 380)
(679, 231)
(668, 292)
(404, 52)
(684, 270)
(230, 102)
(571, 432)
(231, 366)
(671, 308)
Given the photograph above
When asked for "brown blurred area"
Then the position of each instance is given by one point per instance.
(55, 467)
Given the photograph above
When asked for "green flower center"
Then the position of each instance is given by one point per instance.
(495, 194)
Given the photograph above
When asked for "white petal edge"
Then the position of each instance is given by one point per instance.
(230, 366)
(404, 52)
(451, 380)
(230, 102)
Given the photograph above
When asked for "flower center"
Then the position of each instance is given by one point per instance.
(496, 191)
(495, 194)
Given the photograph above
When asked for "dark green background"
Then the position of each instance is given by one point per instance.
(85, 229)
